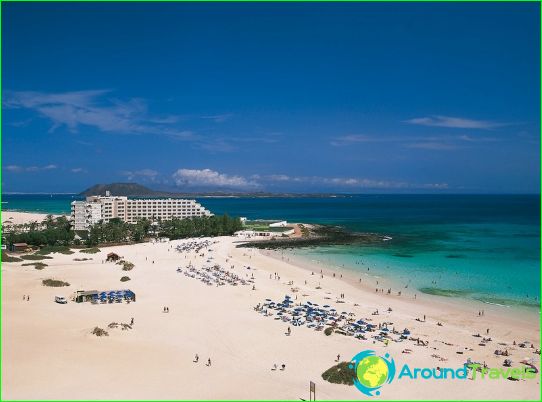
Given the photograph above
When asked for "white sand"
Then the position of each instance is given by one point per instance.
(49, 352)
(19, 218)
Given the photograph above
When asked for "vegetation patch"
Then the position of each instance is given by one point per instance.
(90, 250)
(54, 249)
(99, 332)
(126, 265)
(37, 265)
(125, 279)
(9, 258)
(328, 331)
(33, 257)
(54, 283)
(340, 374)
(121, 325)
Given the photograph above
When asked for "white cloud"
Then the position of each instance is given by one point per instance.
(146, 174)
(434, 146)
(78, 170)
(218, 118)
(360, 138)
(208, 177)
(351, 183)
(19, 169)
(454, 122)
(91, 108)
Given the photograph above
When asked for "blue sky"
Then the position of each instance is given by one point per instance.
(272, 97)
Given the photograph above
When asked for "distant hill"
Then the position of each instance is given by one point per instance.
(121, 189)
(137, 190)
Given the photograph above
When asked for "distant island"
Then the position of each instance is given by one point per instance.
(138, 190)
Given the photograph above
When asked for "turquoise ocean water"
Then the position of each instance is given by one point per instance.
(483, 247)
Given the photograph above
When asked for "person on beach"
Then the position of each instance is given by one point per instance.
(209, 362)
(338, 357)
(132, 321)
(196, 358)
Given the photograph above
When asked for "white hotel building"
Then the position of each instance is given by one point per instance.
(96, 208)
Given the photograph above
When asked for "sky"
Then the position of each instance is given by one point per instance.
(346, 98)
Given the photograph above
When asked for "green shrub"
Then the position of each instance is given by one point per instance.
(91, 250)
(99, 332)
(340, 374)
(328, 331)
(33, 257)
(127, 266)
(125, 279)
(8, 258)
(37, 265)
(54, 249)
(54, 283)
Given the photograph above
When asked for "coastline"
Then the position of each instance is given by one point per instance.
(520, 315)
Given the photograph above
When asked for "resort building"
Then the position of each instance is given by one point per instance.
(97, 208)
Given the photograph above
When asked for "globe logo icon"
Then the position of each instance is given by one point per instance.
(372, 372)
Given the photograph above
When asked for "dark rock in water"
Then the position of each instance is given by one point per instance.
(319, 235)
(455, 256)
(403, 255)
(444, 292)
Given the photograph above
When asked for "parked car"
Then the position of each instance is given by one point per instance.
(61, 299)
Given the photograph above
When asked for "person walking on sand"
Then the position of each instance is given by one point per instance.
(196, 358)
(338, 357)
(209, 362)
(132, 321)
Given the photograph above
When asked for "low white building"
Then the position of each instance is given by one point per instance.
(280, 224)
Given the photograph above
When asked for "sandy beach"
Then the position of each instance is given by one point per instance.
(20, 218)
(49, 351)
